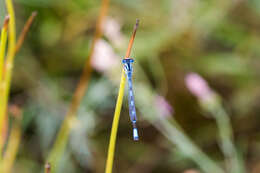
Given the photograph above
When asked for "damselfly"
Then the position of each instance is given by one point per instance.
(132, 111)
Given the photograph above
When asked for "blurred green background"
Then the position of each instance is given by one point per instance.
(218, 39)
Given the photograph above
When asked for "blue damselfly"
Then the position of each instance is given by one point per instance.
(132, 111)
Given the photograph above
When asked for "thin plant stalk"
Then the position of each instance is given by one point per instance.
(226, 139)
(113, 135)
(2, 55)
(25, 30)
(12, 149)
(47, 168)
(6, 67)
(63, 134)
(234, 162)
(10, 53)
(5, 83)
(112, 142)
(3, 46)
(13, 48)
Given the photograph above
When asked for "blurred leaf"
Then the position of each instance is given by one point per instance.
(225, 64)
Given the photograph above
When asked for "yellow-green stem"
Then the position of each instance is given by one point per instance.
(7, 72)
(3, 46)
(112, 142)
(60, 143)
(3, 67)
(2, 54)
(12, 149)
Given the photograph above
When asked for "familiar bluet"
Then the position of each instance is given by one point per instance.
(132, 111)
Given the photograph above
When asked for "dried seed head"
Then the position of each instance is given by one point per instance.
(47, 168)
(6, 21)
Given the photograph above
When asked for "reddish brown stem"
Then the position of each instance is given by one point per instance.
(25, 31)
(47, 168)
(130, 45)
(84, 78)
(64, 131)
(23, 34)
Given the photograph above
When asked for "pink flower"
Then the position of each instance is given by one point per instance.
(104, 57)
(198, 86)
(191, 171)
(165, 109)
(112, 31)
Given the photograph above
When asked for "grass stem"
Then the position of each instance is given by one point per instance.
(3, 46)
(25, 31)
(7, 69)
(112, 141)
(6, 65)
(2, 56)
(63, 134)
(13, 145)
(47, 168)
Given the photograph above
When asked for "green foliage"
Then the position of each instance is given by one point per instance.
(217, 39)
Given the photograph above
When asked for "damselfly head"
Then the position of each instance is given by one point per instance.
(127, 60)
(128, 65)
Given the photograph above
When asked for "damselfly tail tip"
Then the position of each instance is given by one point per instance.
(135, 134)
